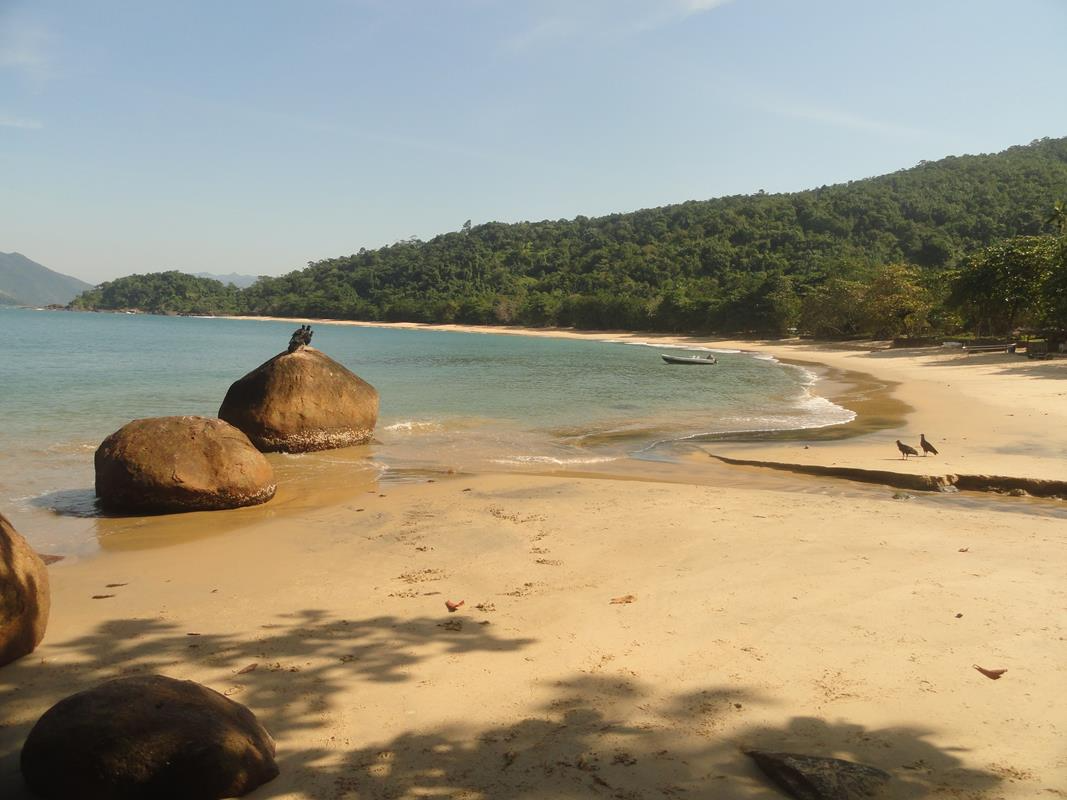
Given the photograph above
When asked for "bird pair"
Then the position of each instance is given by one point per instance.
(907, 450)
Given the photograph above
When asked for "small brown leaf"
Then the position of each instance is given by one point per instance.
(102, 596)
(992, 674)
(115, 585)
(626, 598)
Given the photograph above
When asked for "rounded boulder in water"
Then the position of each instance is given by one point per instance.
(167, 464)
(302, 401)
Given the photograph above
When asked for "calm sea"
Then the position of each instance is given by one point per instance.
(460, 401)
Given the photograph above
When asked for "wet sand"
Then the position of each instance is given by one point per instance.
(768, 610)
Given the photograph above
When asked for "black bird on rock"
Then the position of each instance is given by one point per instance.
(926, 446)
(301, 337)
(906, 450)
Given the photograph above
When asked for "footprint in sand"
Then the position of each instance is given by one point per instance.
(423, 576)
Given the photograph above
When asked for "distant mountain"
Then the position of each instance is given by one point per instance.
(27, 283)
(238, 280)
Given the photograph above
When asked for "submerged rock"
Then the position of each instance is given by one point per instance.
(300, 401)
(817, 778)
(165, 464)
(147, 738)
(24, 595)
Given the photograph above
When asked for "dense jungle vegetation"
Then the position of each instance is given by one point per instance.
(969, 243)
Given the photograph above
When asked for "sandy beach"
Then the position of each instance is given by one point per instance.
(629, 636)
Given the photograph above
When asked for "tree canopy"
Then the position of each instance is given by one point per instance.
(170, 292)
(873, 256)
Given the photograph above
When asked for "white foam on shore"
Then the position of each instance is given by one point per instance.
(71, 447)
(561, 462)
(825, 412)
(413, 425)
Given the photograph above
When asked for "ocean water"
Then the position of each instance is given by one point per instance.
(449, 400)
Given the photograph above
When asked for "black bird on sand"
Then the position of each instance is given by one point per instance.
(906, 450)
(926, 446)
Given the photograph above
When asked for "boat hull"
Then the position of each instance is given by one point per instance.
(690, 360)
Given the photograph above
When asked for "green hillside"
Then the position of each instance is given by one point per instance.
(169, 292)
(28, 283)
(742, 263)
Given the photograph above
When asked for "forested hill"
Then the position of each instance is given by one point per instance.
(25, 282)
(733, 263)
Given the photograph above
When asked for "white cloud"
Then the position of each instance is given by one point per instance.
(835, 117)
(563, 20)
(545, 31)
(696, 6)
(24, 47)
(18, 122)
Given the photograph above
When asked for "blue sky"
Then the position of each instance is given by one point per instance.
(257, 135)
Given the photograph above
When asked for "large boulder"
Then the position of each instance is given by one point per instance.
(147, 737)
(164, 464)
(301, 401)
(24, 595)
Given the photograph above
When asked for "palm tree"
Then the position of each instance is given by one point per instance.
(1058, 217)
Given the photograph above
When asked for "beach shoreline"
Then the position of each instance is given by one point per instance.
(966, 402)
(623, 634)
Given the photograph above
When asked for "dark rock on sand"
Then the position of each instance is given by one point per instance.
(816, 778)
(165, 464)
(147, 738)
(24, 595)
(301, 401)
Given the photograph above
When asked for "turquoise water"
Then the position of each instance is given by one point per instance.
(449, 400)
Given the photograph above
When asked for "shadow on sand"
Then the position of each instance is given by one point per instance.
(589, 735)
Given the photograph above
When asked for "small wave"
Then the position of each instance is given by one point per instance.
(411, 425)
(673, 346)
(753, 425)
(555, 461)
(359, 464)
(72, 447)
(807, 376)
(825, 412)
(698, 349)
(65, 502)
